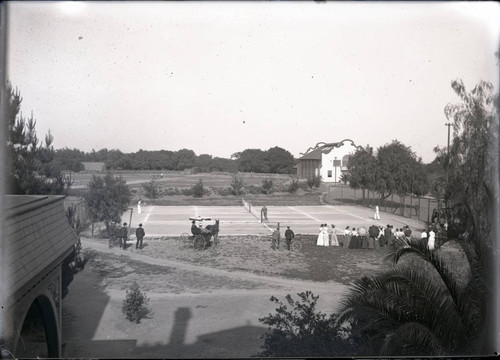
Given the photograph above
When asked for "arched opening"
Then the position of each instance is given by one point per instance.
(345, 160)
(39, 337)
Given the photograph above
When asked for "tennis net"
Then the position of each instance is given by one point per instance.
(248, 206)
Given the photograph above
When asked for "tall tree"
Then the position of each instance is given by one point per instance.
(398, 171)
(252, 160)
(474, 181)
(362, 169)
(410, 311)
(69, 159)
(184, 159)
(280, 160)
(107, 198)
(30, 166)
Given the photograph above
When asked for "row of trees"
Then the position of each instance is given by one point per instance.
(393, 169)
(274, 160)
(428, 305)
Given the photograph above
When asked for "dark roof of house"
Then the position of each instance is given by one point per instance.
(37, 237)
(93, 166)
(314, 153)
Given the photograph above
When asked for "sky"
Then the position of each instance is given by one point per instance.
(222, 77)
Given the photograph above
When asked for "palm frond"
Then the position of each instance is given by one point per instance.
(412, 339)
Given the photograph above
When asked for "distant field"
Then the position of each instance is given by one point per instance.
(179, 179)
(182, 180)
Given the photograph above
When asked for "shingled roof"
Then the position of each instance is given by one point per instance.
(37, 236)
(314, 153)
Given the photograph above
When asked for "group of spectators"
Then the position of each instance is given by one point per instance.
(375, 237)
(435, 235)
(327, 236)
(122, 234)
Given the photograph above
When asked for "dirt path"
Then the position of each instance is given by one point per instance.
(197, 311)
(272, 282)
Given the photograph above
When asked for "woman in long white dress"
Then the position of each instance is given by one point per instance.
(319, 240)
(334, 241)
(326, 236)
(432, 239)
(323, 234)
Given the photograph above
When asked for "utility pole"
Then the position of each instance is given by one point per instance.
(335, 166)
(447, 166)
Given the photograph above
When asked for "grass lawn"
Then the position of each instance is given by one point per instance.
(173, 181)
(254, 254)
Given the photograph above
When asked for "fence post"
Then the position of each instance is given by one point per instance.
(428, 210)
(401, 202)
(411, 205)
(418, 215)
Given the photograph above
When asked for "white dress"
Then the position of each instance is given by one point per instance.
(322, 237)
(432, 238)
(334, 239)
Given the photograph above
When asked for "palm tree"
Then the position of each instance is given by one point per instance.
(417, 308)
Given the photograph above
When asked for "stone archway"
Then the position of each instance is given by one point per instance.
(39, 333)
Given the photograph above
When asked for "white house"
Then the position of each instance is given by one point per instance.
(329, 160)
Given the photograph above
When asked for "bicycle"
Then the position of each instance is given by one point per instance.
(295, 245)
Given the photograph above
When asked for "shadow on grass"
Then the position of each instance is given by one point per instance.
(87, 296)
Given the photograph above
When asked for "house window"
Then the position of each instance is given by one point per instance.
(329, 173)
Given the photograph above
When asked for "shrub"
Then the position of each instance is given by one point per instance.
(197, 170)
(152, 188)
(172, 192)
(253, 189)
(198, 190)
(314, 181)
(223, 191)
(294, 185)
(302, 331)
(237, 183)
(134, 306)
(267, 186)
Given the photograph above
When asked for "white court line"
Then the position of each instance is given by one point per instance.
(348, 213)
(149, 213)
(303, 213)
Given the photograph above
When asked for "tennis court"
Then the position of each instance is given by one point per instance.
(238, 220)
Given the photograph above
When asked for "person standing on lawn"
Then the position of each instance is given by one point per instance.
(364, 239)
(139, 234)
(388, 235)
(289, 235)
(347, 237)
(432, 239)
(334, 241)
(373, 231)
(276, 239)
(123, 236)
(322, 236)
(263, 214)
(355, 240)
(407, 231)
